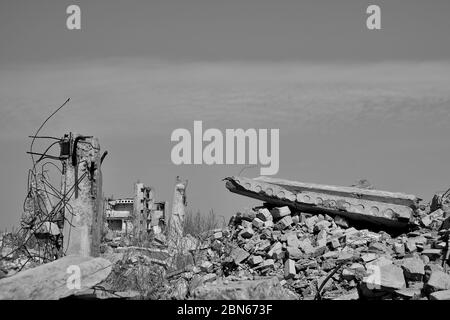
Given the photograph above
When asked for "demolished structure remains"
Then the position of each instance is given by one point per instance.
(305, 241)
(373, 206)
(67, 218)
(82, 230)
(141, 214)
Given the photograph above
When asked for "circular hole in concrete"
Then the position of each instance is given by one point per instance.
(374, 210)
(388, 213)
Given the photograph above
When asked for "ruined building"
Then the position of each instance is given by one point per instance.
(118, 215)
(136, 215)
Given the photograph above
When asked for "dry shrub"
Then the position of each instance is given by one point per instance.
(198, 224)
(134, 273)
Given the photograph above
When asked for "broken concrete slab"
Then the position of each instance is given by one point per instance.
(369, 194)
(440, 295)
(55, 280)
(385, 277)
(414, 269)
(439, 280)
(376, 206)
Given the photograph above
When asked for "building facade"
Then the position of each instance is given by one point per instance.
(138, 215)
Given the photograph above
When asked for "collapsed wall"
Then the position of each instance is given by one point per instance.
(385, 208)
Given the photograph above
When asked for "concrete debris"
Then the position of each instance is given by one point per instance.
(414, 269)
(306, 241)
(440, 295)
(391, 277)
(255, 260)
(55, 280)
(247, 233)
(264, 214)
(439, 280)
(260, 289)
(289, 269)
(206, 266)
(321, 254)
(372, 206)
(239, 255)
(280, 212)
(285, 222)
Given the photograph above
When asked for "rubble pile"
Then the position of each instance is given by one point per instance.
(14, 258)
(317, 256)
(137, 274)
(306, 242)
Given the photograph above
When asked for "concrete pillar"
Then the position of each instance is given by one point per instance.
(176, 221)
(143, 202)
(83, 229)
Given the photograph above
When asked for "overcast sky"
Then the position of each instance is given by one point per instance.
(350, 103)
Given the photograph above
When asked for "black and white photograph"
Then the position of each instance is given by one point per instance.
(203, 151)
